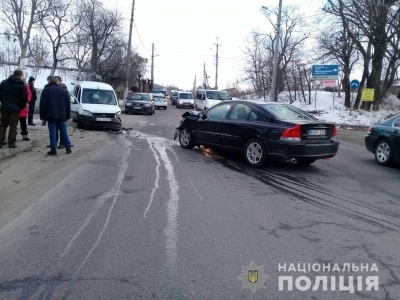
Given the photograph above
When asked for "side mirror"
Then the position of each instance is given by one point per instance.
(201, 115)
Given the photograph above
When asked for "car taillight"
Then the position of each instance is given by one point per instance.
(292, 134)
(334, 132)
(369, 130)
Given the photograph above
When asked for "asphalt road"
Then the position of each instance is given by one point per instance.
(135, 216)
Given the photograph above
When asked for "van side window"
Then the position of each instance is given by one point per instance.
(78, 94)
(75, 93)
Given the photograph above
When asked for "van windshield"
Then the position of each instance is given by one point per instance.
(217, 95)
(96, 96)
(185, 96)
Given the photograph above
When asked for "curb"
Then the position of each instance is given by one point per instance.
(6, 152)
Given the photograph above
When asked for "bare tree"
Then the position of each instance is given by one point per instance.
(20, 17)
(371, 19)
(336, 44)
(38, 54)
(79, 50)
(256, 65)
(59, 22)
(101, 26)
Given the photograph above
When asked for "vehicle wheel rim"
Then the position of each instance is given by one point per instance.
(254, 153)
(185, 137)
(383, 152)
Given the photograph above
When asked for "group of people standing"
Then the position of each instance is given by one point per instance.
(17, 104)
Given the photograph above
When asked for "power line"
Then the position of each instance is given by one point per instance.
(134, 23)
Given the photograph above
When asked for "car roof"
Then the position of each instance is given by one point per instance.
(95, 85)
(259, 102)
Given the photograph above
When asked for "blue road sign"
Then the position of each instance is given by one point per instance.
(325, 71)
(354, 84)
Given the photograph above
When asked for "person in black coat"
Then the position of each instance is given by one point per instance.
(31, 83)
(13, 98)
(55, 108)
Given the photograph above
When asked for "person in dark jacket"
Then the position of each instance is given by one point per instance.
(13, 98)
(49, 79)
(31, 83)
(61, 85)
(55, 108)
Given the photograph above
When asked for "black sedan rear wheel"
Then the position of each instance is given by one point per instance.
(383, 153)
(255, 153)
(185, 139)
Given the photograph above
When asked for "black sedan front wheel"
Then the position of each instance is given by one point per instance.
(255, 153)
(185, 139)
(383, 153)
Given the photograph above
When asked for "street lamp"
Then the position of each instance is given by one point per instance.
(275, 61)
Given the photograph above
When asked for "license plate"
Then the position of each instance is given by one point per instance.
(137, 108)
(316, 132)
(104, 119)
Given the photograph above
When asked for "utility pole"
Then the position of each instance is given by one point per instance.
(275, 62)
(152, 63)
(216, 65)
(128, 56)
(194, 84)
(204, 77)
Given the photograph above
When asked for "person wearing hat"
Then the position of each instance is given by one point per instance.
(31, 83)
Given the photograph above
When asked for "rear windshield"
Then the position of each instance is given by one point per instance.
(217, 95)
(286, 112)
(186, 96)
(140, 97)
(96, 96)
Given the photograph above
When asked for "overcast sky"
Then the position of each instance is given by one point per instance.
(184, 33)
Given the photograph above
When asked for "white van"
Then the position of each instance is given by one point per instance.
(208, 98)
(96, 105)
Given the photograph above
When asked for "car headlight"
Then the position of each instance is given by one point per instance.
(147, 105)
(128, 104)
(87, 113)
(192, 102)
(117, 114)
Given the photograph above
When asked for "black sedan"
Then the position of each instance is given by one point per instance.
(260, 130)
(139, 103)
(383, 140)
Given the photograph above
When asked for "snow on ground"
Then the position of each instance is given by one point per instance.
(333, 110)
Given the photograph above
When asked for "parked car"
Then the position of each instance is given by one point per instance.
(95, 105)
(174, 97)
(185, 99)
(383, 139)
(260, 130)
(139, 103)
(160, 101)
(208, 98)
